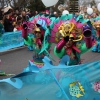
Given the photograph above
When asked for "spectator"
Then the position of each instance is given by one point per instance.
(56, 14)
(28, 14)
(7, 23)
(25, 17)
(19, 23)
(1, 15)
(94, 15)
(10, 11)
(32, 13)
(36, 12)
(17, 12)
(14, 17)
(15, 27)
(52, 15)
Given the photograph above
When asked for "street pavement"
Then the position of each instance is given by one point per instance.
(15, 61)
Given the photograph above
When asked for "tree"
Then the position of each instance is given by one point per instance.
(15, 3)
(55, 8)
(93, 3)
(36, 5)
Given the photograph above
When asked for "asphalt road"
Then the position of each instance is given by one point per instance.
(14, 62)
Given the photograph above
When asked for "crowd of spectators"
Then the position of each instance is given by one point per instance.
(12, 19)
(83, 11)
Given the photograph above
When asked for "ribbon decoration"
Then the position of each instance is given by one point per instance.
(17, 83)
(69, 49)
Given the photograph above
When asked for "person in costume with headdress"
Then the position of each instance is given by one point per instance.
(96, 47)
(37, 44)
(38, 39)
(67, 45)
(73, 42)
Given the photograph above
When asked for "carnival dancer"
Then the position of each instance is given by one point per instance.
(96, 25)
(37, 44)
(73, 38)
(38, 30)
(69, 43)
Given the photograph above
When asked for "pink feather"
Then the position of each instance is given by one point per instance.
(48, 21)
(79, 25)
(59, 23)
(73, 21)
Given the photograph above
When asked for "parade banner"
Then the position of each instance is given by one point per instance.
(11, 40)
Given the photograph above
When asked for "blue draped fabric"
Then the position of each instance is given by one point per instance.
(11, 40)
(51, 82)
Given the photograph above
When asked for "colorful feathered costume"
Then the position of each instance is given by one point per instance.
(96, 26)
(73, 36)
(39, 41)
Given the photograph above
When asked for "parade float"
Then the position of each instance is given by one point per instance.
(69, 80)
